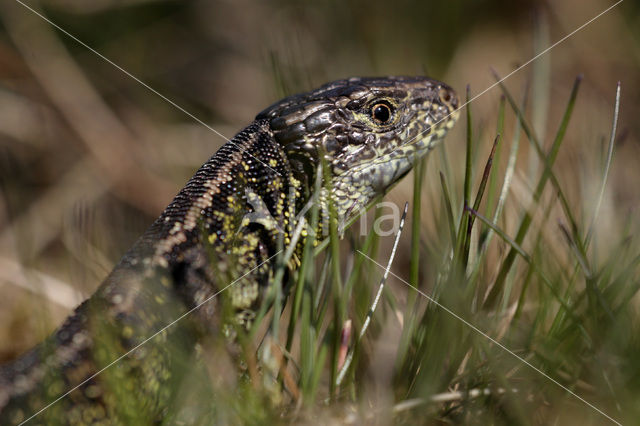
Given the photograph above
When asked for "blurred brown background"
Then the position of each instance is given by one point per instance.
(89, 157)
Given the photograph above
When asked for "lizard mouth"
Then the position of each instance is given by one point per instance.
(418, 145)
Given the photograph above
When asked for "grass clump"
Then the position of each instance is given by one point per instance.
(507, 329)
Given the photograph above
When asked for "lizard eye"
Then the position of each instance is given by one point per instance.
(381, 113)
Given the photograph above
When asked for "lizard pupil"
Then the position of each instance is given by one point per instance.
(381, 113)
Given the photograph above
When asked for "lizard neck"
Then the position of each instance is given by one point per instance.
(235, 213)
(217, 231)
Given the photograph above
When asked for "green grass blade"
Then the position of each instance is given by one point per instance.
(414, 266)
(546, 174)
(481, 188)
(448, 210)
(305, 264)
(493, 179)
(461, 254)
(515, 247)
(336, 278)
(508, 176)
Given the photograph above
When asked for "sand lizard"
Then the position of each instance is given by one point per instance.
(370, 131)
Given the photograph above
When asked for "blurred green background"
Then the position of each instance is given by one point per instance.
(89, 157)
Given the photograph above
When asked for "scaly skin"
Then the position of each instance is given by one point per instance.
(223, 226)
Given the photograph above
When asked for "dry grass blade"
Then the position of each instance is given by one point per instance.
(376, 299)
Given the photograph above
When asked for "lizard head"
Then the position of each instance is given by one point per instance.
(371, 131)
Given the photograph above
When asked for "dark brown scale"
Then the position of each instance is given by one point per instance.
(319, 120)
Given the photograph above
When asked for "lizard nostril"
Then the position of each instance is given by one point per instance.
(448, 98)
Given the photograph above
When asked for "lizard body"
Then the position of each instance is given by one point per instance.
(232, 216)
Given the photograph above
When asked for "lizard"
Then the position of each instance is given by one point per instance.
(221, 232)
